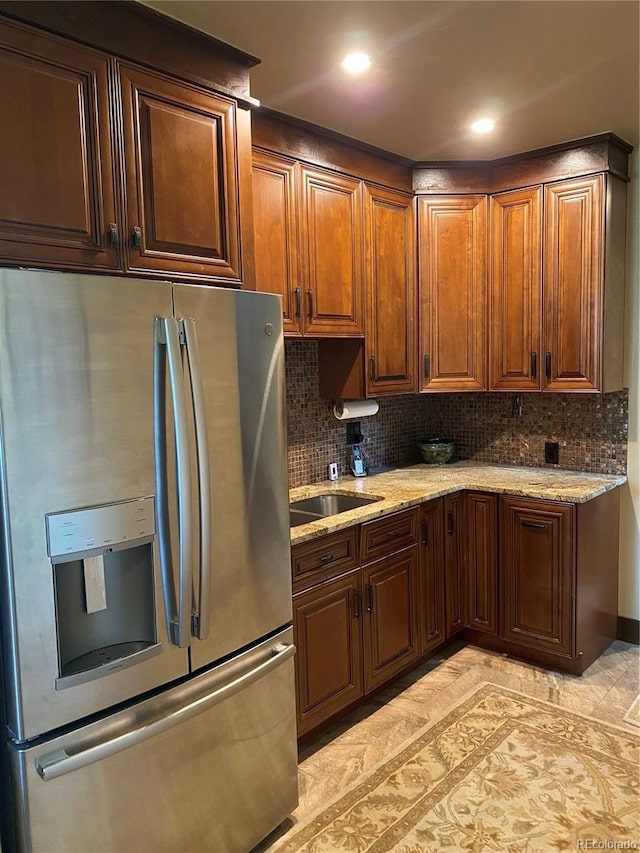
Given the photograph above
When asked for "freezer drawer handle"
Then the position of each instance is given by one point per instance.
(61, 762)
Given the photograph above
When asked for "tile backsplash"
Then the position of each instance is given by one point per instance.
(591, 429)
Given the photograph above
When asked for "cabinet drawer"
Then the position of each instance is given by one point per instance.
(388, 535)
(337, 552)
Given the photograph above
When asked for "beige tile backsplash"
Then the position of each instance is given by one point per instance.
(591, 429)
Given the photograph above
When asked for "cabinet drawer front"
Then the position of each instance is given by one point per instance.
(388, 535)
(330, 554)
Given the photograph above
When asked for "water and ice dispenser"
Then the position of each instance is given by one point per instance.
(102, 560)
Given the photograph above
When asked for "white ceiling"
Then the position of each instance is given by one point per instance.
(547, 72)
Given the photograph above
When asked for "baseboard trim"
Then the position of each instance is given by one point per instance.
(629, 630)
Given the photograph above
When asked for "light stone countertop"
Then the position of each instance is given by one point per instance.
(402, 488)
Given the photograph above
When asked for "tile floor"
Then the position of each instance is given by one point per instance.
(340, 755)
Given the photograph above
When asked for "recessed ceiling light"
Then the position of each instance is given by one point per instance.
(483, 125)
(355, 63)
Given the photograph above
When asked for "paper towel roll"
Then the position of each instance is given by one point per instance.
(355, 409)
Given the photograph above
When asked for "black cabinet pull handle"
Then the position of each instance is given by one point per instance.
(296, 294)
(547, 365)
(534, 365)
(357, 597)
(326, 558)
(372, 368)
(310, 300)
(114, 237)
(534, 524)
(137, 236)
(425, 532)
(370, 599)
(426, 367)
(393, 534)
(450, 522)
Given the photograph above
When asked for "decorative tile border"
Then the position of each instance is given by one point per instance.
(590, 429)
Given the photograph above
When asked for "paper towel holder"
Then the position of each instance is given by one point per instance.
(344, 410)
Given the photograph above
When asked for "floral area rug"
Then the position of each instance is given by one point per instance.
(501, 772)
(633, 716)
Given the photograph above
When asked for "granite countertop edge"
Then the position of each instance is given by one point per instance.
(403, 488)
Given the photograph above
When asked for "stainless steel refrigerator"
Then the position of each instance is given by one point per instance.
(145, 582)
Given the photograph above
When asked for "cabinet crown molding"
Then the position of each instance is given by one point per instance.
(604, 152)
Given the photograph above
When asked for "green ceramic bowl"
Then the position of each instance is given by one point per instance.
(436, 451)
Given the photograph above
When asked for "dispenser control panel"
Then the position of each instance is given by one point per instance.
(100, 526)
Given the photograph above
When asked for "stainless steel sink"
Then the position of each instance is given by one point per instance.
(322, 506)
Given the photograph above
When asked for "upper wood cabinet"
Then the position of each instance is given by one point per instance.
(181, 186)
(390, 291)
(57, 202)
(309, 245)
(452, 273)
(584, 283)
(561, 329)
(275, 214)
(112, 167)
(515, 293)
(331, 253)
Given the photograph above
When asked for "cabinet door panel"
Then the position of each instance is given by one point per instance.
(455, 569)
(573, 278)
(431, 594)
(538, 568)
(332, 254)
(180, 150)
(56, 168)
(390, 291)
(391, 617)
(275, 233)
(516, 291)
(328, 643)
(482, 562)
(452, 248)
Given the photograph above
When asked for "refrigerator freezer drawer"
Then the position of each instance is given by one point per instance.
(208, 765)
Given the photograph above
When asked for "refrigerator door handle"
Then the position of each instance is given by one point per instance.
(178, 614)
(61, 762)
(201, 617)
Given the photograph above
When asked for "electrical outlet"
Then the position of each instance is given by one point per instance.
(332, 470)
(552, 452)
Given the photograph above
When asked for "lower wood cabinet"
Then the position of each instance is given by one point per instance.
(354, 632)
(529, 577)
(455, 574)
(390, 617)
(538, 574)
(558, 580)
(482, 561)
(431, 576)
(328, 640)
